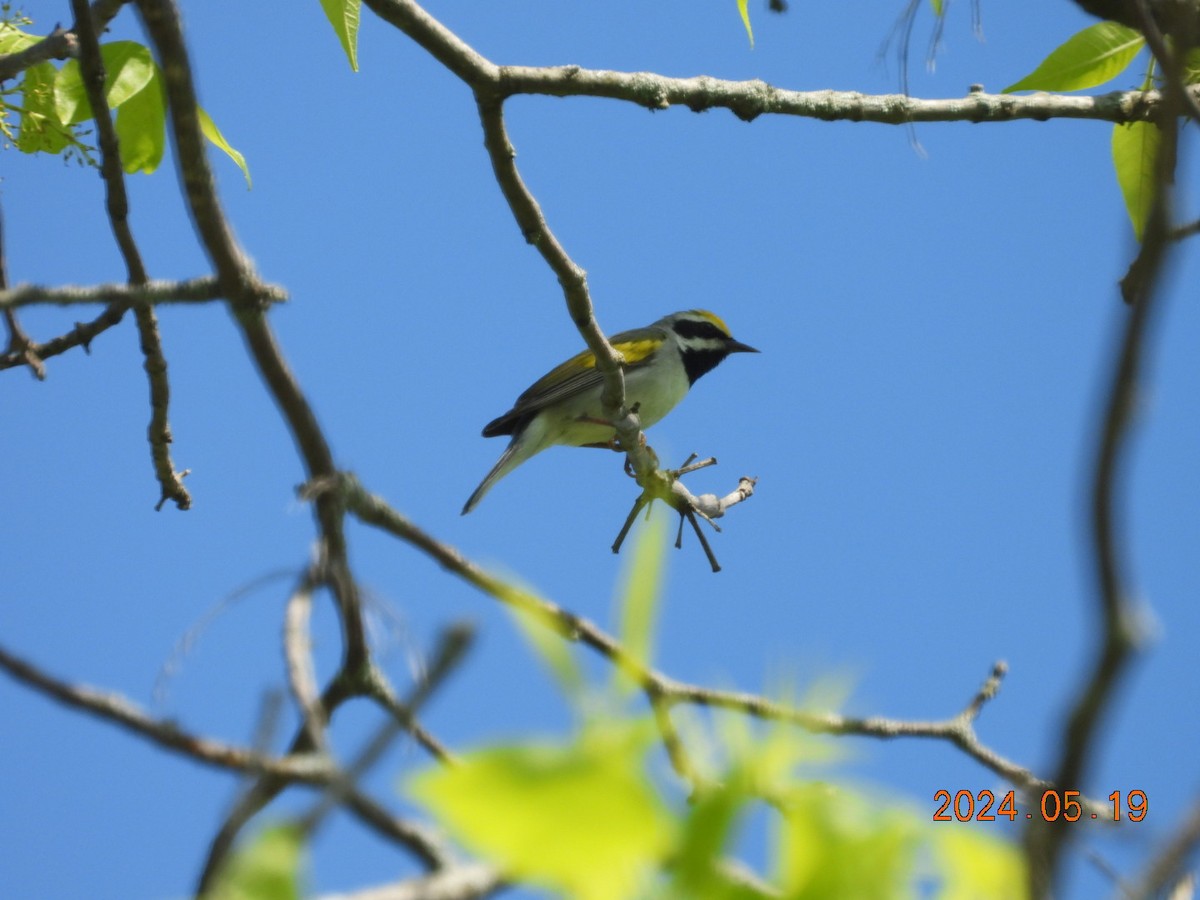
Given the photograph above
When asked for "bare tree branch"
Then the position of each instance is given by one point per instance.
(91, 67)
(306, 768)
(1121, 630)
(297, 653)
(195, 290)
(241, 285)
(662, 689)
(19, 345)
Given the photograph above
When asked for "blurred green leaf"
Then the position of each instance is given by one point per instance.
(639, 599)
(707, 830)
(41, 131)
(937, 7)
(141, 128)
(1093, 56)
(581, 818)
(343, 15)
(128, 68)
(214, 136)
(267, 869)
(976, 866)
(832, 843)
(14, 40)
(744, 12)
(1134, 151)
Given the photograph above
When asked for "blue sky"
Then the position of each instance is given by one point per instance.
(936, 332)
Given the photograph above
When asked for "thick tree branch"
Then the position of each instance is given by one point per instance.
(748, 99)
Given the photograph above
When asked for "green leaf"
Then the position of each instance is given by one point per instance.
(1091, 57)
(744, 12)
(710, 822)
(141, 128)
(1191, 67)
(829, 832)
(343, 15)
(581, 818)
(975, 866)
(214, 136)
(128, 68)
(938, 8)
(267, 869)
(1135, 150)
(638, 602)
(41, 130)
(14, 40)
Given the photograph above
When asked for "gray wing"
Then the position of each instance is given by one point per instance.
(564, 381)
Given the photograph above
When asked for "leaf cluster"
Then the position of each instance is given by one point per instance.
(51, 105)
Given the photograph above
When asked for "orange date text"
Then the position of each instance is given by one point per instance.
(1054, 805)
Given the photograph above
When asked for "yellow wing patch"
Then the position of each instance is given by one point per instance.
(635, 351)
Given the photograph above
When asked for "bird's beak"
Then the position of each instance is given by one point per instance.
(739, 347)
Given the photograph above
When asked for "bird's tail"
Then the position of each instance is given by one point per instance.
(505, 464)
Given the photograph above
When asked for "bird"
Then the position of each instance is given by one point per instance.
(662, 361)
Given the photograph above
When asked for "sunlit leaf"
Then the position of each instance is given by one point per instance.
(826, 838)
(267, 869)
(1134, 150)
(638, 601)
(41, 131)
(1093, 56)
(707, 831)
(14, 40)
(581, 818)
(128, 68)
(937, 7)
(214, 136)
(744, 12)
(343, 15)
(1191, 67)
(975, 866)
(141, 128)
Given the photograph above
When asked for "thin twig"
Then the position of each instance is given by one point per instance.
(91, 66)
(297, 653)
(450, 649)
(19, 344)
